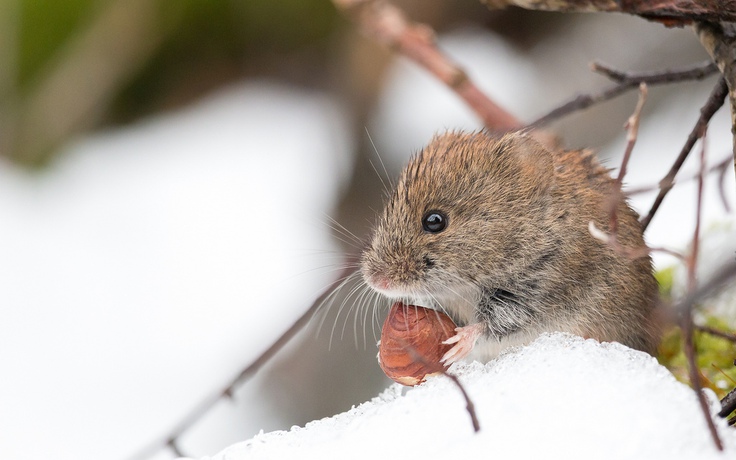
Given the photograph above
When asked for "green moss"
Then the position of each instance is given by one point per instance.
(665, 278)
(715, 356)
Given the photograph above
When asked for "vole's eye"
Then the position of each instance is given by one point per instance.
(434, 222)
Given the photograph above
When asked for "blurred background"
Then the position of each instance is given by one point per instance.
(180, 179)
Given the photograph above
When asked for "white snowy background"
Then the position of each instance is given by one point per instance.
(147, 265)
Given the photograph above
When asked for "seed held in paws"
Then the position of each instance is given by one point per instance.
(411, 343)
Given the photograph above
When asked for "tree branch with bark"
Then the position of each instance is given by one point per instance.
(670, 12)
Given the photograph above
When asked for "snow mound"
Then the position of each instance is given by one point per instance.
(560, 397)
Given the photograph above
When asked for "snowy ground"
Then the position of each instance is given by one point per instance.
(561, 397)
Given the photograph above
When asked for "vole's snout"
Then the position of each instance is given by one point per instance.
(370, 268)
(374, 278)
(393, 275)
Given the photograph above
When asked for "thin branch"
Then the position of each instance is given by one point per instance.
(723, 167)
(580, 102)
(469, 406)
(716, 332)
(724, 275)
(611, 238)
(632, 127)
(719, 167)
(694, 375)
(625, 81)
(714, 102)
(174, 447)
(687, 318)
(203, 407)
(692, 268)
(439, 368)
(693, 72)
(387, 24)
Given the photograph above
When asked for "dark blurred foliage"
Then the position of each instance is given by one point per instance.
(214, 42)
(205, 44)
(173, 51)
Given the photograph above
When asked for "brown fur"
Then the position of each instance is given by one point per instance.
(516, 255)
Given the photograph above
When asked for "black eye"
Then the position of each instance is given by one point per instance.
(434, 222)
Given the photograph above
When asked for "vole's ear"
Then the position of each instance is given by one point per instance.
(533, 160)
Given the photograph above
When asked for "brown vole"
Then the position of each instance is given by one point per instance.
(494, 232)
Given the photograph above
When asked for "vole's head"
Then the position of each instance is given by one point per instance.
(466, 213)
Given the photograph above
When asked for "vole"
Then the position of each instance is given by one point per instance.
(494, 231)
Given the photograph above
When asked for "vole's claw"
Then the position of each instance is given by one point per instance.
(454, 339)
(464, 341)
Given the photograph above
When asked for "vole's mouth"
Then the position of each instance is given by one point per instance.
(408, 298)
(459, 300)
(397, 291)
(460, 304)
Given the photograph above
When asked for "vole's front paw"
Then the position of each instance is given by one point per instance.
(464, 342)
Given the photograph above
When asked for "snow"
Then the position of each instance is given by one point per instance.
(560, 397)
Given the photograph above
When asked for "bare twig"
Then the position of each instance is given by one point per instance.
(632, 127)
(203, 407)
(174, 447)
(469, 406)
(720, 279)
(611, 238)
(579, 102)
(387, 24)
(694, 72)
(625, 81)
(687, 317)
(723, 167)
(694, 374)
(439, 368)
(717, 332)
(718, 167)
(714, 102)
(692, 267)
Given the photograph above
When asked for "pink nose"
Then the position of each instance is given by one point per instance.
(380, 282)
